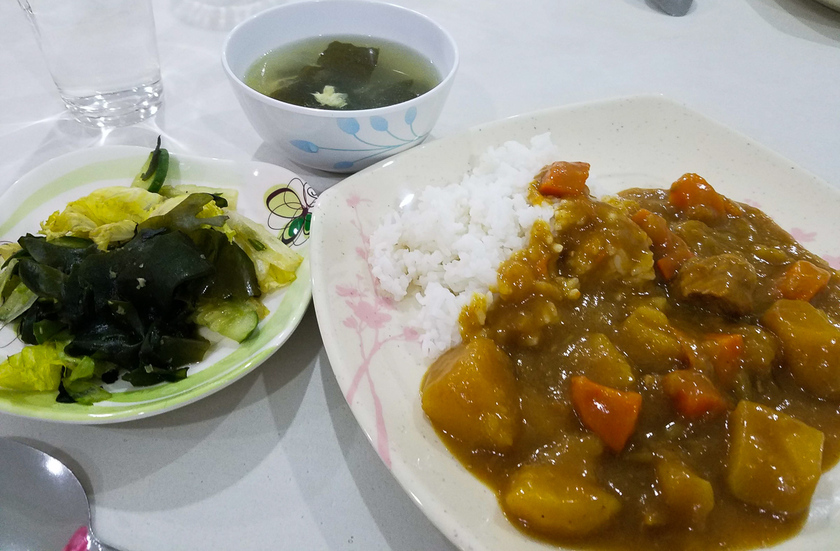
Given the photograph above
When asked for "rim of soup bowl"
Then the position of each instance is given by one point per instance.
(337, 113)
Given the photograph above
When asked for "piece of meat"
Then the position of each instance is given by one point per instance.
(723, 283)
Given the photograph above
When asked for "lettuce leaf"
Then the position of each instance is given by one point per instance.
(35, 368)
(106, 215)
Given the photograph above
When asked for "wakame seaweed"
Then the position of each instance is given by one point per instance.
(130, 309)
(348, 69)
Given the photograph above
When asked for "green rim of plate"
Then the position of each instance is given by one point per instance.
(142, 402)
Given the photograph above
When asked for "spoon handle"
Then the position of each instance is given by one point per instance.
(96, 545)
(677, 8)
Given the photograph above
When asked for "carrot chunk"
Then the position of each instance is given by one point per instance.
(692, 190)
(669, 266)
(565, 179)
(693, 195)
(802, 281)
(654, 226)
(725, 352)
(669, 249)
(693, 395)
(609, 413)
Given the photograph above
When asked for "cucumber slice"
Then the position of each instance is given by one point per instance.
(153, 173)
(235, 319)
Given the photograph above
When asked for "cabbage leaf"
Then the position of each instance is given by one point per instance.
(274, 261)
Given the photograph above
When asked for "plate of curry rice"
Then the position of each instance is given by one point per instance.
(603, 326)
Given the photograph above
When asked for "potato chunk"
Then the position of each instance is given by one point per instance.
(775, 460)
(688, 497)
(810, 345)
(470, 393)
(759, 351)
(597, 358)
(556, 502)
(648, 339)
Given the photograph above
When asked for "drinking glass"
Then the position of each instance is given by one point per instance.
(218, 15)
(102, 55)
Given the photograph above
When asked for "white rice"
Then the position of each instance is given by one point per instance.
(449, 241)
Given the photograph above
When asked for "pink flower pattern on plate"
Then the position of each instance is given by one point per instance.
(803, 236)
(369, 316)
(833, 261)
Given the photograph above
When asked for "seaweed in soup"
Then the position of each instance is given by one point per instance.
(343, 75)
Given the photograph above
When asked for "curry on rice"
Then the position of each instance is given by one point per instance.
(658, 370)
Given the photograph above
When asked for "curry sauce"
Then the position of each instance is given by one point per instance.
(657, 370)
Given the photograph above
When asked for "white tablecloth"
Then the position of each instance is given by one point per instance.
(276, 461)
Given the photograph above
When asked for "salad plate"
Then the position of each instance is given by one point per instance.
(373, 345)
(268, 194)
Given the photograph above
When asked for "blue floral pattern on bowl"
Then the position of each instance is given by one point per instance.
(388, 139)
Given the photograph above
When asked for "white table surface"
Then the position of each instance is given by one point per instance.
(276, 461)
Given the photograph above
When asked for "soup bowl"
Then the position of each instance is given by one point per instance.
(339, 140)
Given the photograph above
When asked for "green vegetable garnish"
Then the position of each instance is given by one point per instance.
(81, 392)
(235, 319)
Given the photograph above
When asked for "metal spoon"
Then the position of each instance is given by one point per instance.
(42, 503)
(677, 8)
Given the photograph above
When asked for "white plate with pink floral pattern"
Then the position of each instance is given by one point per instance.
(375, 353)
(834, 4)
